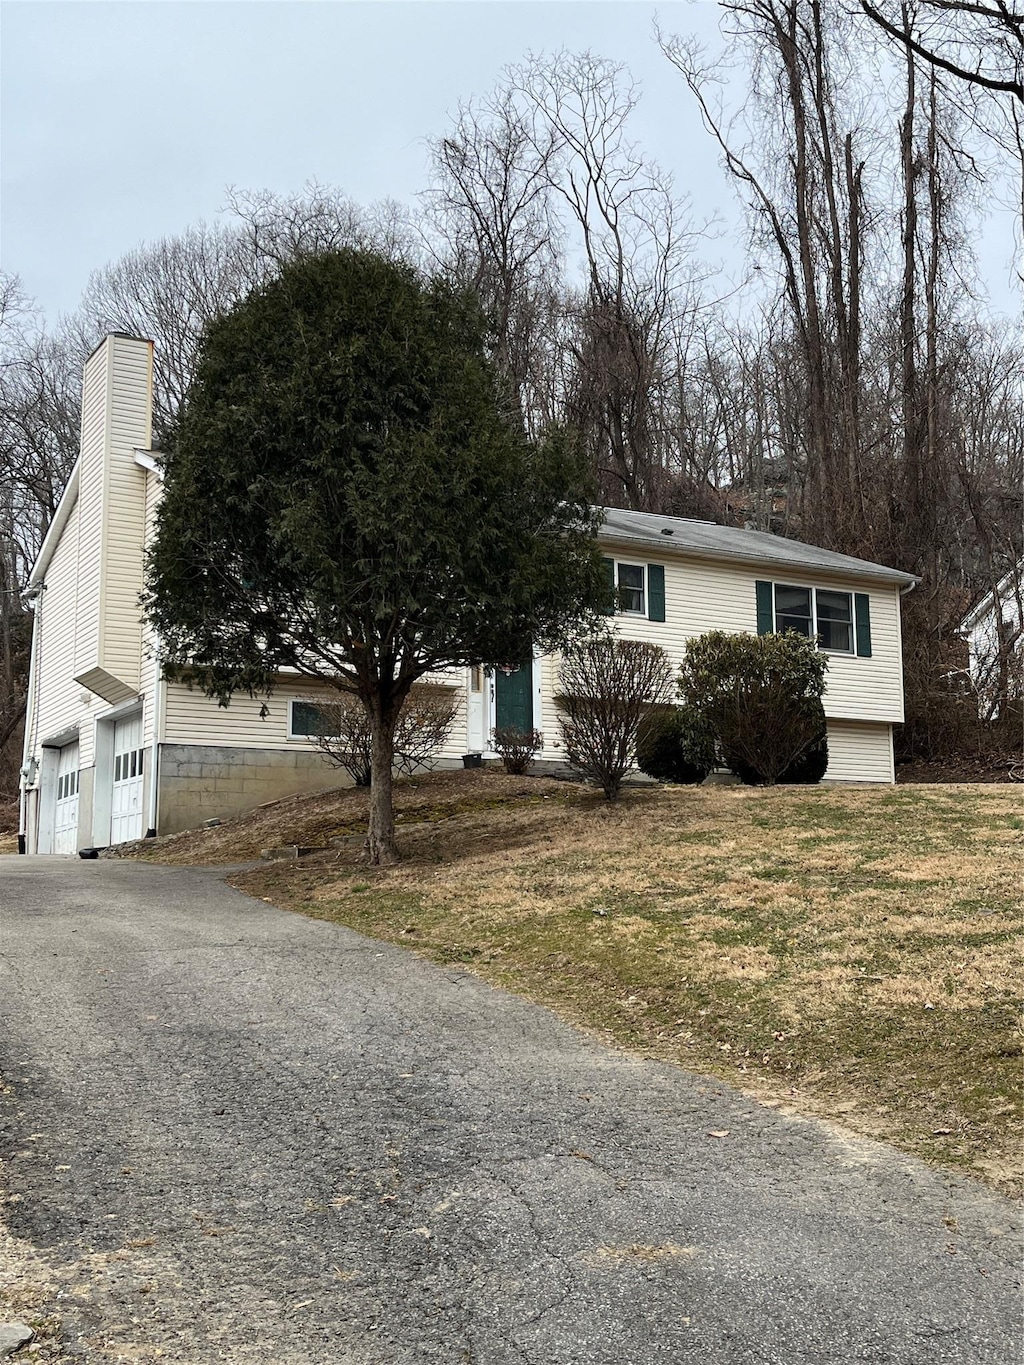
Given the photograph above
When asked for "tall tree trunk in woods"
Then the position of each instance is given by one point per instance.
(910, 401)
(806, 191)
(934, 463)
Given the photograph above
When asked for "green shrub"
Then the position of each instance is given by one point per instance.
(809, 768)
(675, 744)
(761, 695)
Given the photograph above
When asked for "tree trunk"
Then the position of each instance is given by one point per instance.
(380, 836)
(910, 397)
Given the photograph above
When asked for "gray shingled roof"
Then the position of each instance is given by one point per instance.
(706, 540)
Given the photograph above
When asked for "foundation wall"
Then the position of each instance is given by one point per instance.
(202, 782)
(206, 782)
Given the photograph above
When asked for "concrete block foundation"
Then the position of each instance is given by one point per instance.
(205, 782)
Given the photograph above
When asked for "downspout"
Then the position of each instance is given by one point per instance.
(28, 765)
(154, 762)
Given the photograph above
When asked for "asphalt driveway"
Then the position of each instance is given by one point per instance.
(231, 1133)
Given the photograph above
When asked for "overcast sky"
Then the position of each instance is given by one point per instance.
(123, 122)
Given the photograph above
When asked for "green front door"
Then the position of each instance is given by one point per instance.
(513, 697)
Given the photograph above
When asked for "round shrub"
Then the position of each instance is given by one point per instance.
(804, 771)
(675, 744)
(761, 694)
(810, 767)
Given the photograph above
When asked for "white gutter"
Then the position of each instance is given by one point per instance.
(32, 715)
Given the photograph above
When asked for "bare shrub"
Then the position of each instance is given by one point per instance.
(516, 748)
(607, 686)
(344, 734)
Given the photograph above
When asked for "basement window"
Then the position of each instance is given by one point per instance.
(305, 720)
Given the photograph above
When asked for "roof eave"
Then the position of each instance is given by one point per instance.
(55, 530)
(894, 576)
(988, 602)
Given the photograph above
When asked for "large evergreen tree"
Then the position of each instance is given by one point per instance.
(349, 493)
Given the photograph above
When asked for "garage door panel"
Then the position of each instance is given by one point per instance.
(126, 793)
(65, 819)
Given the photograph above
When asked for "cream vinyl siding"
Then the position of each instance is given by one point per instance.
(59, 705)
(458, 738)
(89, 534)
(193, 718)
(859, 752)
(116, 417)
(126, 491)
(548, 722)
(149, 667)
(190, 717)
(703, 595)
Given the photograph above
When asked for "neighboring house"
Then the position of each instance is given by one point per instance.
(113, 752)
(995, 643)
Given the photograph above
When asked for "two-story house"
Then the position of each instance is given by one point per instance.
(112, 751)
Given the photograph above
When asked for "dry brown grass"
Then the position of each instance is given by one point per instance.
(841, 951)
(313, 820)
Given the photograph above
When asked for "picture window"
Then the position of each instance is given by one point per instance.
(819, 614)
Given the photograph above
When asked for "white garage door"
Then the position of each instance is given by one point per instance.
(65, 819)
(126, 798)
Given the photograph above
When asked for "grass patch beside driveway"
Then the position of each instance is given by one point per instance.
(847, 952)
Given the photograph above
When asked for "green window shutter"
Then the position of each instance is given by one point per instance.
(862, 615)
(655, 592)
(609, 574)
(765, 607)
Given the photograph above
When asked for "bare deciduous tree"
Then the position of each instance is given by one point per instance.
(344, 734)
(980, 42)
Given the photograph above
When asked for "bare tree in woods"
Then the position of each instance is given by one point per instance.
(40, 377)
(275, 229)
(171, 289)
(39, 416)
(490, 208)
(807, 195)
(980, 42)
(977, 51)
(168, 291)
(635, 247)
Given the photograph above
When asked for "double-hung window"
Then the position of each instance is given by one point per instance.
(820, 614)
(629, 580)
(839, 622)
(635, 589)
